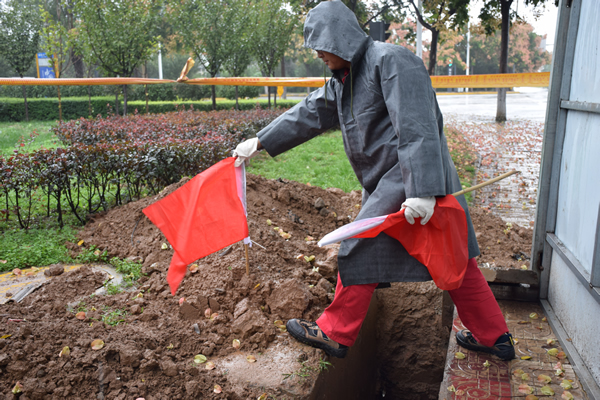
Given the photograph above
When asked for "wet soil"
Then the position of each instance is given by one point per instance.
(150, 337)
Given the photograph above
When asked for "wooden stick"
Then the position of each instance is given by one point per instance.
(496, 179)
(247, 262)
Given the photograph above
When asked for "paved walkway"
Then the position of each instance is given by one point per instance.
(533, 372)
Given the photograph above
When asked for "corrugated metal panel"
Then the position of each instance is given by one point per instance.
(579, 191)
(585, 81)
(578, 312)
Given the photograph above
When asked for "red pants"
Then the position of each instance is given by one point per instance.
(477, 308)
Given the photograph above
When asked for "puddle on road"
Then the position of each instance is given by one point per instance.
(516, 144)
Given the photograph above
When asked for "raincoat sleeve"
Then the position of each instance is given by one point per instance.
(411, 104)
(309, 118)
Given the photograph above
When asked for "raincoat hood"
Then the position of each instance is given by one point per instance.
(332, 27)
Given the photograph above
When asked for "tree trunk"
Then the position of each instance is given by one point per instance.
(117, 102)
(214, 97)
(26, 107)
(77, 64)
(284, 95)
(504, 36)
(269, 96)
(89, 101)
(435, 34)
(146, 92)
(59, 104)
(237, 105)
(124, 100)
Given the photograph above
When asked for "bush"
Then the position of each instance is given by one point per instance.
(77, 107)
(244, 92)
(108, 161)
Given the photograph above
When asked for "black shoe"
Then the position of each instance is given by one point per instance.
(309, 333)
(503, 348)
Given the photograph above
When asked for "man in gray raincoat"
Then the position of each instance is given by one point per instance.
(381, 98)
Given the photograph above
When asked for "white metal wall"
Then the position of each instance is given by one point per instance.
(578, 199)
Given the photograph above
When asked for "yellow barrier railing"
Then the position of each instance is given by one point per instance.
(533, 79)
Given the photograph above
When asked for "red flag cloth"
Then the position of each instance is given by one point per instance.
(441, 244)
(201, 217)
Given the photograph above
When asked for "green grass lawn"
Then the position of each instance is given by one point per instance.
(320, 162)
(12, 132)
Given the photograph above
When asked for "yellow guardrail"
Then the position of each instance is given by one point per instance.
(533, 79)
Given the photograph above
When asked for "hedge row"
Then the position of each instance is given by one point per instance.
(160, 92)
(13, 110)
(109, 161)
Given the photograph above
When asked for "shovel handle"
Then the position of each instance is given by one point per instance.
(496, 179)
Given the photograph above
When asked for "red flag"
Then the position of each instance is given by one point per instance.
(201, 217)
(441, 244)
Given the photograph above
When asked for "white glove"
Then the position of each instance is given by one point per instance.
(418, 207)
(245, 151)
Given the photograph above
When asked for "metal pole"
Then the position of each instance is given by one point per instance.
(468, 49)
(160, 71)
(419, 33)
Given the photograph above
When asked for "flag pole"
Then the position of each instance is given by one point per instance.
(496, 179)
(247, 262)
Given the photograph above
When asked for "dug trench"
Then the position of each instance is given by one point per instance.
(151, 338)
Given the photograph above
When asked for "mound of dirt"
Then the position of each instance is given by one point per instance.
(151, 337)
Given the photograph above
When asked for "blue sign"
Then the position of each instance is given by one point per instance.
(44, 64)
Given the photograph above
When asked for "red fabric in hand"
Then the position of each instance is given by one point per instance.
(441, 244)
(201, 217)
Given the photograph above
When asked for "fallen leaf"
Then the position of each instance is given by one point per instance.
(17, 272)
(97, 253)
(80, 315)
(3, 261)
(207, 312)
(236, 344)
(257, 286)
(210, 365)
(551, 342)
(199, 358)
(518, 372)
(544, 378)
(522, 322)
(97, 344)
(452, 389)
(553, 352)
(566, 395)
(217, 389)
(524, 267)
(170, 346)
(561, 355)
(214, 315)
(460, 355)
(164, 246)
(566, 384)
(309, 238)
(5, 336)
(181, 301)
(262, 397)
(80, 242)
(18, 388)
(526, 358)
(486, 364)
(547, 390)
(533, 315)
(525, 377)
(544, 319)
(525, 388)
(460, 392)
(531, 397)
(251, 359)
(299, 256)
(269, 222)
(65, 352)
(194, 268)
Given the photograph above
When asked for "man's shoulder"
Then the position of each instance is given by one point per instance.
(379, 52)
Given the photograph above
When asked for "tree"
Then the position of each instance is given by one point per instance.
(205, 29)
(54, 37)
(438, 16)
(494, 13)
(405, 34)
(273, 28)
(19, 37)
(524, 53)
(240, 54)
(121, 34)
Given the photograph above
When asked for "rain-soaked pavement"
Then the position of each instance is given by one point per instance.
(516, 144)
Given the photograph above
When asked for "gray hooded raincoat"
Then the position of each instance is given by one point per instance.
(393, 136)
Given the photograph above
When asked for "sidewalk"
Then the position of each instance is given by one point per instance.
(528, 374)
